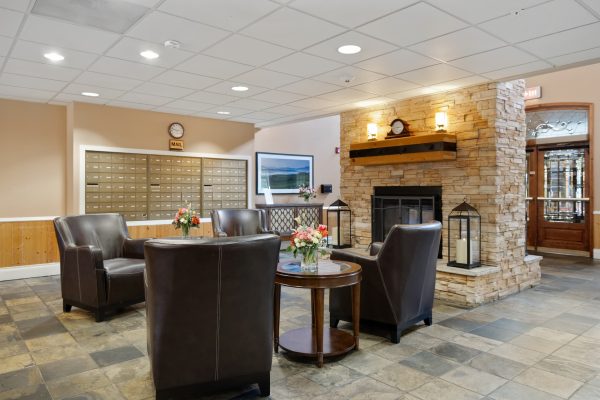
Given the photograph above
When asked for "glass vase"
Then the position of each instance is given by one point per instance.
(310, 260)
(185, 231)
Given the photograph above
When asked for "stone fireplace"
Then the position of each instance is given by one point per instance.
(488, 122)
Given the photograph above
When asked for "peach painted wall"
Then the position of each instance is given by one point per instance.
(317, 137)
(138, 129)
(32, 159)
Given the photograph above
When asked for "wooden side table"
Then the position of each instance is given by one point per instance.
(317, 341)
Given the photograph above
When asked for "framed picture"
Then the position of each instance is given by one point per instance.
(283, 173)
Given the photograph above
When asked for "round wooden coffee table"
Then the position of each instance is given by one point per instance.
(317, 341)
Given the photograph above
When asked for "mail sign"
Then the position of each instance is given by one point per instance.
(175, 144)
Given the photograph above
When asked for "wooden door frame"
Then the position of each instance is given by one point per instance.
(532, 143)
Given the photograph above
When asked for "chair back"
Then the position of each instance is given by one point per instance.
(105, 231)
(239, 222)
(407, 261)
(209, 307)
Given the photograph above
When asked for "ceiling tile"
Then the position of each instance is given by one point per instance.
(25, 93)
(68, 98)
(124, 68)
(397, 62)
(78, 88)
(30, 82)
(312, 103)
(245, 120)
(107, 81)
(5, 44)
(350, 14)
(482, 10)
(287, 110)
(291, 28)
(145, 3)
(233, 111)
(268, 79)
(64, 34)
(210, 66)
(434, 74)
(583, 38)
(518, 70)
(346, 95)
(251, 104)
(41, 70)
(305, 65)
(370, 47)
(278, 96)
(355, 76)
(385, 86)
(262, 115)
(224, 87)
(246, 50)
(185, 80)
(593, 4)
(143, 98)
(130, 49)
(35, 52)
(412, 25)
(159, 27)
(492, 60)
(211, 98)
(171, 110)
(544, 19)
(17, 5)
(190, 105)
(9, 22)
(591, 54)
(469, 81)
(309, 87)
(126, 104)
(227, 14)
(164, 90)
(458, 44)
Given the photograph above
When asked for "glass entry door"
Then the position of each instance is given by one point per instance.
(558, 192)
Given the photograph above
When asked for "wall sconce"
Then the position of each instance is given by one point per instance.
(372, 131)
(441, 121)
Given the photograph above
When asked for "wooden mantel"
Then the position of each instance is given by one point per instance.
(422, 148)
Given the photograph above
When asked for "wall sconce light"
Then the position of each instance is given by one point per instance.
(441, 121)
(372, 131)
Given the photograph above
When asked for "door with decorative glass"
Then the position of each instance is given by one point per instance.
(558, 181)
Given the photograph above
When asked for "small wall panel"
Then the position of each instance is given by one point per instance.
(27, 243)
(162, 231)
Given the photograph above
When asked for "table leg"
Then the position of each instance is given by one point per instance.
(312, 307)
(319, 305)
(276, 301)
(356, 312)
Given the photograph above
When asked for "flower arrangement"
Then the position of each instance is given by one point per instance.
(185, 219)
(306, 192)
(306, 240)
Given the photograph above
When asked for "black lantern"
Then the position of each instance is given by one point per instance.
(339, 225)
(464, 237)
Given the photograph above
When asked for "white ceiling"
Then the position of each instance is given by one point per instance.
(286, 52)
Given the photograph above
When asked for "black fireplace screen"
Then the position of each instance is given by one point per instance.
(404, 205)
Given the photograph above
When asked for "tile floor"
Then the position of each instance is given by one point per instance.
(540, 344)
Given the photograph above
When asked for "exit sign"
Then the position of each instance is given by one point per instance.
(533, 93)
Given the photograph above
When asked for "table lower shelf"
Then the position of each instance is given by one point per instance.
(303, 342)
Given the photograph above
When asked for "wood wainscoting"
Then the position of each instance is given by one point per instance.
(34, 242)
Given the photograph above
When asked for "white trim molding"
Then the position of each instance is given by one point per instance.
(29, 271)
(596, 254)
(26, 219)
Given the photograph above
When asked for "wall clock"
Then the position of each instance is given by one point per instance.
(176, 130)
(399, 128)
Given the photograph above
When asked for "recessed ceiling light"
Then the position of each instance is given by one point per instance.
(149, 54)
(239, 88)
(223, 112)
(174, 44)
(349, 49)
(53, 56)
(90, 94)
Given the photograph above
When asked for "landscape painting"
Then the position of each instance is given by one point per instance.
(283, 173)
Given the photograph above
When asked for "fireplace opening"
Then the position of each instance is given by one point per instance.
(391, 205)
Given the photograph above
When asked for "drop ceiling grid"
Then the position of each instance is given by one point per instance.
(278, 94)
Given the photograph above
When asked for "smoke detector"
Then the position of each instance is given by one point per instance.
(346, 78)
(173, 44)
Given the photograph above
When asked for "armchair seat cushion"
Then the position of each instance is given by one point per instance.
(117, 266)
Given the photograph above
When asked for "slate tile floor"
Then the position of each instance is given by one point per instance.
(543, 343)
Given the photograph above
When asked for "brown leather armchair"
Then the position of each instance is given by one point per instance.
(398, 279)
(209, 308)
(239, 222)
(101, 267)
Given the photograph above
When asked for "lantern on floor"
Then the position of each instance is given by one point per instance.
(464, 237)
(339, 225)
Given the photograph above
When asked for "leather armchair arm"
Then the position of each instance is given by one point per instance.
(84, 257)
(353, 256)
(375, 248)
(273, 232)
(134, 248)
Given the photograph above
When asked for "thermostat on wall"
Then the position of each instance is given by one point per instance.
(326, 188)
